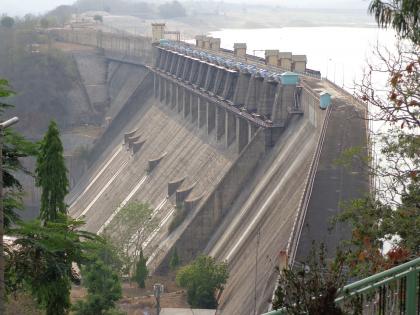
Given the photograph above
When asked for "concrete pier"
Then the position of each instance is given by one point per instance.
(209, 77)
(187, 104)
(161, 89)
(211, 117)
(180, 104)
(168, 92)
(242, 133)
(194, 108)
(202, 112)
(240, 94)
(253, 96)
(180, 67)
(194, 71)
(155, 86)
(268, 96)
(219, 89)
(200, 72)
(230, 129)
(220, 122)
(186, 72)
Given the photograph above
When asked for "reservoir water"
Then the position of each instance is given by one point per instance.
(340, 53)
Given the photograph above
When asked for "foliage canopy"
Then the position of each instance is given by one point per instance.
(201, 279)
(402, 15)
(41, 259)
(51, 175)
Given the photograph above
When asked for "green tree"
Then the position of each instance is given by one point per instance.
(129, 229)
(7, 21)
(402, 15)
(172, 9)
(104, 289)
(106, 252)
(312, 287)
(15, 147)
(174, 262)
(141, 272)
(44, 22)
(98, 18)
(51, 173)
(201, 279)
(390, 213)
(41, 260)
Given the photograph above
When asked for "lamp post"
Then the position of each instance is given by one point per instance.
(157, 291)
(3, 126)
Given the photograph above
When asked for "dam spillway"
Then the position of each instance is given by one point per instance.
(239, 142)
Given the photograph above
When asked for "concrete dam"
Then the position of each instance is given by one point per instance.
(246, 146)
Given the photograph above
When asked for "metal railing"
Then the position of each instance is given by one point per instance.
(391, 292)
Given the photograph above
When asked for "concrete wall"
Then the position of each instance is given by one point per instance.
(194, 234)
(127, 46)
(259, 100)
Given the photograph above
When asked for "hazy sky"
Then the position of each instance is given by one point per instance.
(21, 7)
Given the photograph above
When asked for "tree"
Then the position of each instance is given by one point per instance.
(312, 287)
(7, 21)
(390, 213)
(98, 18)
(172, 9)
(106, 252)
(141, 272)
(174, 262)
(128, 231)
(201, 279)
(15, 147)
(41, 259)
(51, 175)
(44, 22)
(104, 289)
(402, 15)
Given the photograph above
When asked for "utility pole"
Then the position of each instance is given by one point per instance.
(157, 291)
(3, 126)
(256, 269)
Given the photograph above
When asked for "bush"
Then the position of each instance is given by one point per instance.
(172, 9)
(201, 279)
(104, 288)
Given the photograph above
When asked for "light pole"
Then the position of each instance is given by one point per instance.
(3, 126)
(157, 291)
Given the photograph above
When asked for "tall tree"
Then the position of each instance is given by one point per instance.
(14, 147)
(51, 173)
(141, 272)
